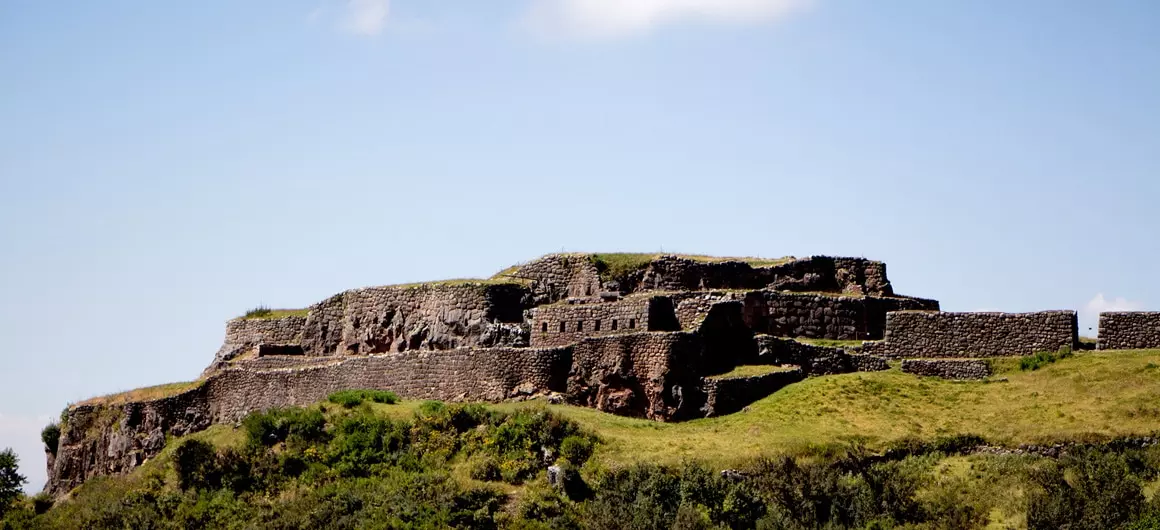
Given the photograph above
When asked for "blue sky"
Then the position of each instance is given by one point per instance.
(165, 166)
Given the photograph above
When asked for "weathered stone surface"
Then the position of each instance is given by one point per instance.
(1129, 330)
(963, 369)
(926, 334)
(243, 335)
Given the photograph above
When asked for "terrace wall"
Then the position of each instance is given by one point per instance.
(562, 323)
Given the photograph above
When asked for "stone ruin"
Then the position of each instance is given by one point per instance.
(663, 337)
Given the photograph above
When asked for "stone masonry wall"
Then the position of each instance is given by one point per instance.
(819, 273)
(244, 334)
(815, 360)
(1129, 330)
(103, 440)
(918, 334)
(423, 317)
(653, 375)
(560, 324)
(556, 277)
(963, 369)
(824, 316)
(729, 395)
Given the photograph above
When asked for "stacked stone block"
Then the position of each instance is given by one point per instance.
(562, 323)
(1129, 330)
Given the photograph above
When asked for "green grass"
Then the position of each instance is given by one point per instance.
(750, 370)
(830, 343)
(354, 398)
(456, 282)
(1104, 393)
(1043, 358)
(265, 313)
(144, 394)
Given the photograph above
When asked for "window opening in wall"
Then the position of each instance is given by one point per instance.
(579, 325)
(544, 327)
(562, 328)
(632, 323)
(596, 326)
(614, 324)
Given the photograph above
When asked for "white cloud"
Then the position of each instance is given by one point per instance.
(613, 18)
(22, 434)
(366, 17)
(1099, 304)
(1090, 315)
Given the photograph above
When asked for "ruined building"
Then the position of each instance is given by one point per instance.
(663, 337)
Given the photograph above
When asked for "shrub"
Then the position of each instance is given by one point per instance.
(1041, 359)
(1090, 489)
(483, 467)
(195, 465)
(10, 480)
(51, 437)
(292, 424)
(576, 449)
(258, 312)
(354, 398)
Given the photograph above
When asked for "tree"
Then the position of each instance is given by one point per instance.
(10, 480)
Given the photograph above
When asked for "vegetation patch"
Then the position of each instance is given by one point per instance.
(354, 398)
(265, 313)
(752, 370)
(1041, 359)
(149, 393)
(830, 343)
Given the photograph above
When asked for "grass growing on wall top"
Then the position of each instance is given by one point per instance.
(830, 343)
(750, 370)
(265, 313)
(144, 394)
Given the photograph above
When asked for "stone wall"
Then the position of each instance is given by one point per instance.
(964, 369)
(1129, 330)
(824, 316)
(819, 273)
(563, 323)
(421, 317)
(654, 375)
(815, 360)
(244, 334)
(729, 395)
(556, 277)
(957, 335)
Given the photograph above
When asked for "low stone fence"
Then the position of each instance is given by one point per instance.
(1129, 330)
(963, 369)
(729, 395)
(917, 334)
(815, 360)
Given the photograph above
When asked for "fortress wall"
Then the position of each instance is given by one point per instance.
(655, 375)
(1129, 330)
(963, 369)
(825, 316)
(561, 324)
(692, 308)
(919, 334)
(422, 317)
(559, 276)
(244, 334)
(480, 374)
(105, 440)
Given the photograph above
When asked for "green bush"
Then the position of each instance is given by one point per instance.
(576, 449)
(1089, 489)
(51, 437)
(354, 398)
(1041, 359)
(258, 312)
(10, 480)
(194, 461)
(292, 425)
